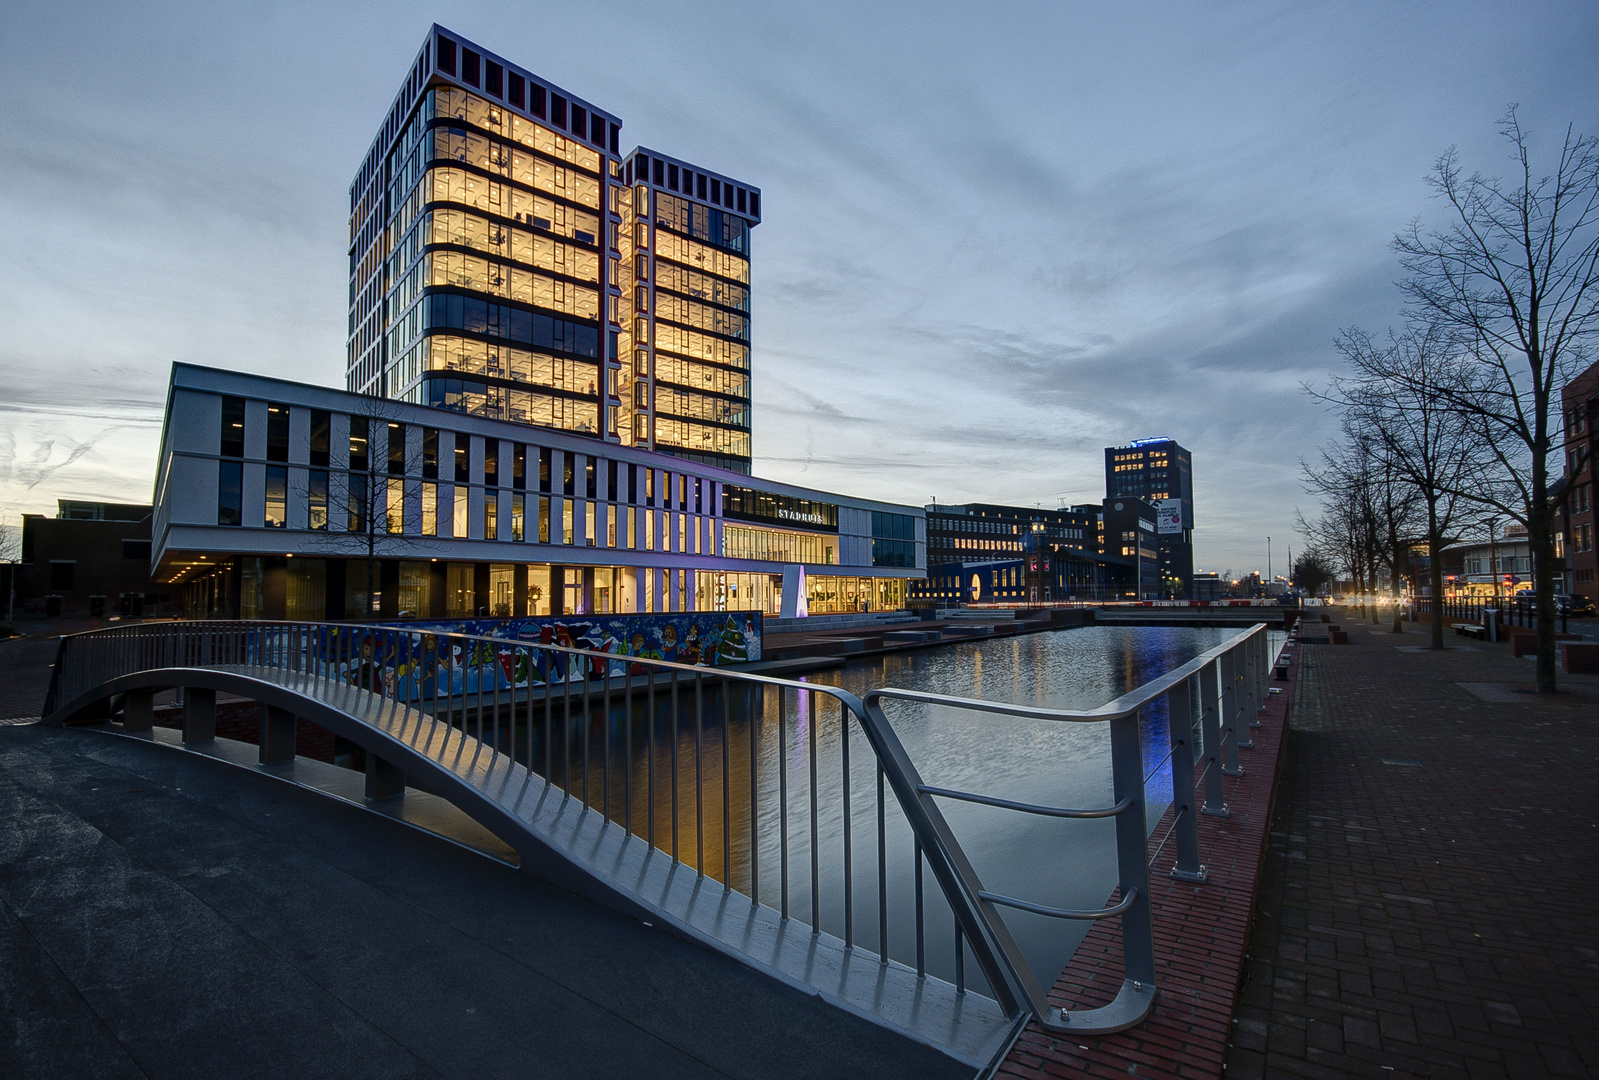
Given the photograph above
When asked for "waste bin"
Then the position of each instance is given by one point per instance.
(1490, 619)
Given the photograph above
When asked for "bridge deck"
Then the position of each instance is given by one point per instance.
(567, 844)
(167, 914)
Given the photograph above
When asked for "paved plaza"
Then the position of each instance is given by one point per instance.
(1428, 903)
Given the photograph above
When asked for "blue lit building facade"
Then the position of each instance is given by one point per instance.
(1162, 473)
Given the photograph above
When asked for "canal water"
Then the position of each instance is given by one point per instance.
(800, 780)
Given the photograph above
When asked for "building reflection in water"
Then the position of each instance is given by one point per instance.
(703, 773)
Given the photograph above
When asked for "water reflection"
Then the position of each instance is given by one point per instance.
(706, 772)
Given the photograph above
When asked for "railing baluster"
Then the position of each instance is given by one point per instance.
(921, 916)
(627, 742)
(566, 724)
(699, 774)
(727, 785)
(588, 758)
(649, 776)
(882, 871)
(816, 875)
(605, 739)
(849, 869)
(782, 788)
(676, 695)
(755, 805)
(960, 959)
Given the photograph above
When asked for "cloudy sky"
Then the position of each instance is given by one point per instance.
(997, 238)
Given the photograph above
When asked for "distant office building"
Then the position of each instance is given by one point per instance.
(1208, 586)
(92, 558)
(1160, 471)
(509, 261)
(979, 552)
(1575, 518)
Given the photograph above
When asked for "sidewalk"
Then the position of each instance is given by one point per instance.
(1430, 900)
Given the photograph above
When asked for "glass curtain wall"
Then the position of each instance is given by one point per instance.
(493, 252)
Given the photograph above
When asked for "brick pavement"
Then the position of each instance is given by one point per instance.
(1428, 903)
(1200, 933)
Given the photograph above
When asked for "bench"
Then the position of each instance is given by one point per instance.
(1470, 629)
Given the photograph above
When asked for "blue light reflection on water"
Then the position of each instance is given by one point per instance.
(763, 743)
(1050, 861)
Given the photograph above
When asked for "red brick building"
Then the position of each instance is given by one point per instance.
(1579, 404)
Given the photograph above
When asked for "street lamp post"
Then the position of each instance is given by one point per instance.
(1268, 566)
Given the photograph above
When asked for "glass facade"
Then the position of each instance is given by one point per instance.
(508, 261)
(690, 305)
(487, 270)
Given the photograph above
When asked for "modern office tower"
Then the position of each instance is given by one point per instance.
(1161, 472)
(686, 285)
(508, 261)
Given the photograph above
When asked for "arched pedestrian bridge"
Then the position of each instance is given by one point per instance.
(705, 800)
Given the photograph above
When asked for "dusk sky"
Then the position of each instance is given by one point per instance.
(996, 238)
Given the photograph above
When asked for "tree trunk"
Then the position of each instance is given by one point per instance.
(1540, 542)
(1435, 572)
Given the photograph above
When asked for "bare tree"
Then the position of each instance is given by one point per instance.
(363, 518)
(1399, 393)
(1347, 528)
(1313, 571)
(1371, 515)
(1516, 274)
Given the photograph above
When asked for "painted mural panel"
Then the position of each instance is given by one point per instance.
(701, 638)
(424, 661)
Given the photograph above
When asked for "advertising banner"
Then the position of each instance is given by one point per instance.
(1168, 516)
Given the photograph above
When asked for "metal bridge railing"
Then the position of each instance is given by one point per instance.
(745, 778)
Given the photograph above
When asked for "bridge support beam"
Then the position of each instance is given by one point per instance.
(384, 779)
(277, 735)
(199, 715)
(138, 711)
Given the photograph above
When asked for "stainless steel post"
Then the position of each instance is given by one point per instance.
(1229, 714)
(1180, 723)
(1127, 777)
(1244, 703)
(1210, 728)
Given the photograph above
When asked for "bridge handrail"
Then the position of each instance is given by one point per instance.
(1230, 675)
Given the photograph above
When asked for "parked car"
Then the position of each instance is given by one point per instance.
(1565, 603)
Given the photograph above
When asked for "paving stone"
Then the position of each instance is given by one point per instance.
(1450, 903)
